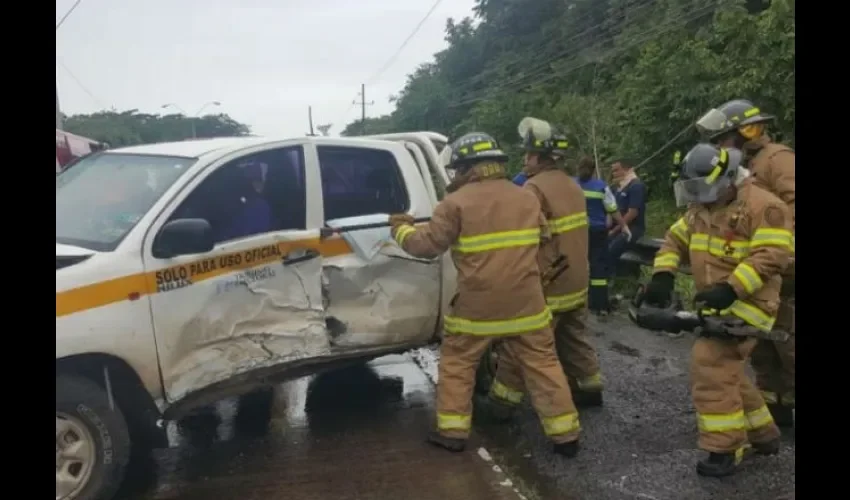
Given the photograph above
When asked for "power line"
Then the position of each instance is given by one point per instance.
(407, 40)
(80, 84)
(525, 81)
(632, 9)
(398, 51)
(545, 71)
(73, 7)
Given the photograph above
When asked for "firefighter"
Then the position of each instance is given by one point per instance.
(564, 207)
(742, 125)
(737, 238)
(601, 204)
(494, 229)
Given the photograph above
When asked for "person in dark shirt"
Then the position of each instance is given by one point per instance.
(252, 214)
(631, 201)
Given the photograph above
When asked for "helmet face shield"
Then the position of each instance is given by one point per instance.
(700, 190)
(713, 122)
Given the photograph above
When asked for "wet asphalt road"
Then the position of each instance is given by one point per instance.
(354, 434)
(642, 444)
(358, 434)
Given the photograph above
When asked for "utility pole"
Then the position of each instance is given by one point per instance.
(363, 105)
(310, 120)
(58, 110)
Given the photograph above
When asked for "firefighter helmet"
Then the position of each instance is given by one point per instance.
(539, 136)
(472, 148)
(740, 115)
(705, 174)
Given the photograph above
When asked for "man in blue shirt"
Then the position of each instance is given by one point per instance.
(601, 203)
(631, 201)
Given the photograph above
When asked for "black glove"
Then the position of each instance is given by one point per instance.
(719, 296)
(659, 291)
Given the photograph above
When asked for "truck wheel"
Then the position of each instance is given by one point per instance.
(486, 371)
(92, 441)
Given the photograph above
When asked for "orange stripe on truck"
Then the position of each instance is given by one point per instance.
(166, 279)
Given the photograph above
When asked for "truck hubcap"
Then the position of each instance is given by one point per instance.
(75, 456)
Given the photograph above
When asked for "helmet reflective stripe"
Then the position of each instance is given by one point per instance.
(730, 116)
(722, 162)
(474, 147)
(706, 173)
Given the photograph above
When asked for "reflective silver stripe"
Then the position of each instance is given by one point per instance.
(453, 421)
(499, 240)
(759, 418)
(505, 394)
(516, 326)
(562, 424)
(749, 278)
(568, 223)
(723, 422)
(568, 302)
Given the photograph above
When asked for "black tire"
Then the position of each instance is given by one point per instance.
(86, 403)
(486, 371)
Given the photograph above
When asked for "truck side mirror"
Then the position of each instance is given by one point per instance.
(183, 237)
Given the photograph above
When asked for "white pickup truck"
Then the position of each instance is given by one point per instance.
(191, 271)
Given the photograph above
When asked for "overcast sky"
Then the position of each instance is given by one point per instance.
(264, 60)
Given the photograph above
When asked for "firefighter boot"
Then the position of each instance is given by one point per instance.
(720, 464)
(568, 450)
(767, 448)
(587, 399)
(452, 444)
(783, 415)
(490, 411)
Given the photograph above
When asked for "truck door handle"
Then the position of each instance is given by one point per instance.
(299, 255)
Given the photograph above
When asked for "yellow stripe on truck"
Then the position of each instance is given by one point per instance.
(135, 286)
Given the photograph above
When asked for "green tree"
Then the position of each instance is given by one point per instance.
(130, 127)
(624, 77)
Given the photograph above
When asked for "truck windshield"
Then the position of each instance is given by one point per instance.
(104, 195)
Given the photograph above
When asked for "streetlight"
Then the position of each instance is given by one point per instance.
(193, 118)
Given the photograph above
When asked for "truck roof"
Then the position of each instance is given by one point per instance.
(196, 148)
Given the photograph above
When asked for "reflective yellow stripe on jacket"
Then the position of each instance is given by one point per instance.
(403, 232)
(739, 250)
(498, 241)
(568, 223)
(735, 250)
(570, 301)
(751, 314)
(515, 326)
(489, 242)
(567, 302)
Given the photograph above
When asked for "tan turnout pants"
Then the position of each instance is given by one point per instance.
(730, 410)
(539, 370)
(775, 362)
(575, 352)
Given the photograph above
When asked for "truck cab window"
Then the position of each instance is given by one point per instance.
(360, 181)
(258, 193)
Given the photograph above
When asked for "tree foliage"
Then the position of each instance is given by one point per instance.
(623, 76)
(130, 127)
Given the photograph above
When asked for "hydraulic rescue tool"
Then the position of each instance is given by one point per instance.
(327, 232)
(705, 322)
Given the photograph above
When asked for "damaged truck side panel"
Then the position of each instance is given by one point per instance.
(276, 299)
